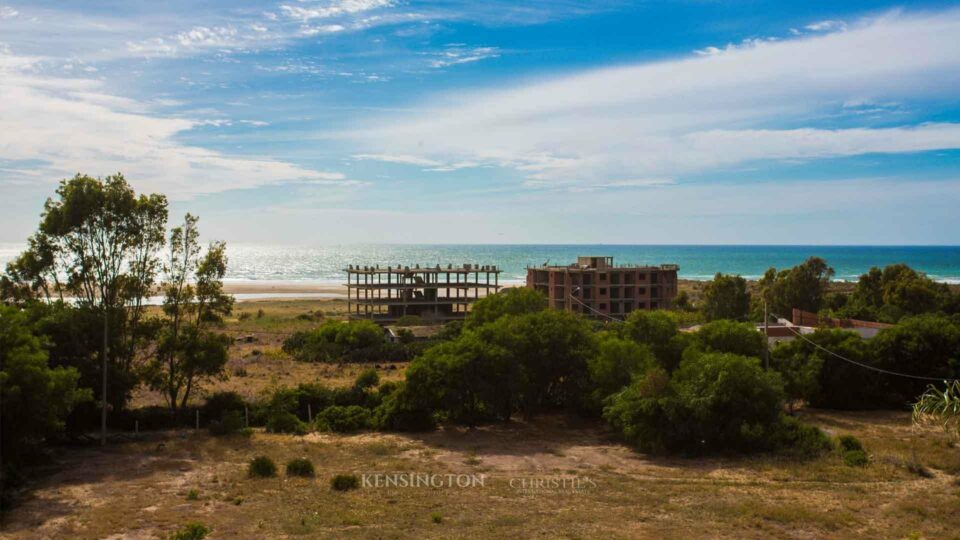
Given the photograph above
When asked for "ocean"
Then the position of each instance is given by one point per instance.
(248, 262)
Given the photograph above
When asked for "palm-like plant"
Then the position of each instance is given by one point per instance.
(940, 407)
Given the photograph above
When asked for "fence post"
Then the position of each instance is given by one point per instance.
(198, 418)
(136, 426)
(246, 416)
(309, 413)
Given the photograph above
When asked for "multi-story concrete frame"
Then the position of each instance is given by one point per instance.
(386, 294)
(596, 287)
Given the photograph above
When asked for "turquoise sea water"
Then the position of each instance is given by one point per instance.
(325, 264)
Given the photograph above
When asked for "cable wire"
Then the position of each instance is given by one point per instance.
(860, 364)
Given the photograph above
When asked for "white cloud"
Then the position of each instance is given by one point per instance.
(7, 12)
(458, 54)
(71, 125)
(337, 8)
(826, 26)
(756, 101)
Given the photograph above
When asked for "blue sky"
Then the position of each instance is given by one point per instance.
(345, 121)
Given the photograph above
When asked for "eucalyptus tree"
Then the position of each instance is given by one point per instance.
(97, 242)
(188, 351)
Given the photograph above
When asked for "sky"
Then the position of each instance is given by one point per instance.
(318, 122)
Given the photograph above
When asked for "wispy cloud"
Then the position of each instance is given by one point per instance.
(755, 101)
(458, 54)
(69, 125)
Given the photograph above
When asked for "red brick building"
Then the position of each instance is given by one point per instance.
(594, 286)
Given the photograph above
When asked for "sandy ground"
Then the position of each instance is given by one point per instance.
(140, 489)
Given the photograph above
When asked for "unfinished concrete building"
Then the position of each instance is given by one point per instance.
(596, 287)
(434, 294)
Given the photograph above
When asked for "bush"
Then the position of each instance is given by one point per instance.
(343, 419)
(855, 458)
(436, 517)
(286, 422)
(368, 378)
(513, 301)
(616, 363)
(336, 341)
(731, 337)
(262, 467)
(849, 443)
(800, 440)
(193, 495)
(191, 531)
(300, 467)
(220, 403)
(713, 403)
(231, 423)
(345, 482)
(400, 411)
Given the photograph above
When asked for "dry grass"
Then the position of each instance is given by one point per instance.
(140, 488)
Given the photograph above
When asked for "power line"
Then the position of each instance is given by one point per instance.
(602, 314)
(860, 364)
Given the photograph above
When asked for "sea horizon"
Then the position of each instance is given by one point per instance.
(323, 265)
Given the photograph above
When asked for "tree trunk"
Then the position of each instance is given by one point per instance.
(103, 395)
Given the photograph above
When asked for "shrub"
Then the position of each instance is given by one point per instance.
(616, 362)
(513, 301)
(800, 440)
(436, 517)
(713, 403)
(260, 313)
(345, 482)
(731, 337)
(231, 423)
(855, 458)
(244, 316)
(262, 467)
(343, 419)
(849, 443)
(400, 411)
(193, 495)
(336, 341)
(285, 422)
(368, 378)
(191, 531)
(220, 403)
(409, 320)
(300, 467)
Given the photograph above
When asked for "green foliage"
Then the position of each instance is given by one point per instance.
(803, 286)
(402, 411)
(285, 422)
(34, 398)
(682, 301)
(731, 337)
(512, 301)
(368, 378)
(856, 458)
(712, 403)
(895, 292)
(409, 320)
(657, 330)
(230, 422)
(193, 495)
(824, 381)
(345, 482)
(726, 297)
(220, 403)
(191, 531)
(436, 517)
(799, 440)
(188, 353)
(940, 406)
(262, 467)
(97, 242)
(849, 442)
(616, 363)
(300, 467)
(337, 341)
(925, 345)
(343, 419)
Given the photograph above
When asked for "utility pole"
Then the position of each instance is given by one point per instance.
(766, 337)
